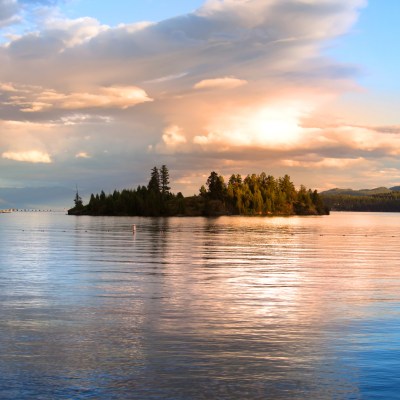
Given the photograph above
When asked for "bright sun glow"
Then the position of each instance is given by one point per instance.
(275, 126)
(267, 127)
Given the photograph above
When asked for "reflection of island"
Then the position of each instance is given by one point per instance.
(254, 195)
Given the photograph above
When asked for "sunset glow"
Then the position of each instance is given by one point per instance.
(256, 85)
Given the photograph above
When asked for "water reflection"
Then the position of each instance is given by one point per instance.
(199, 308)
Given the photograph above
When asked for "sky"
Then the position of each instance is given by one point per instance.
(94, 94)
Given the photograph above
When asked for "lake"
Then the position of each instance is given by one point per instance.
(199, 308)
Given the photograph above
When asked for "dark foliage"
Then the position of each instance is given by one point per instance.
(383, 202)
(259, 195)
(253, 195)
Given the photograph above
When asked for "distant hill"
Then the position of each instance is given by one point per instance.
(379, 199)
(361, 192)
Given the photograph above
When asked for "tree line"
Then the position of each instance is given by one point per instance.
(382, 202)
(260, 195)
(253, 195)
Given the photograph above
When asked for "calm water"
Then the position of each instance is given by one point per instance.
(196, 308)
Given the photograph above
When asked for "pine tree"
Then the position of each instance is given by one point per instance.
(154, 183)
(78, 200)
(164, 180)
(216, 186)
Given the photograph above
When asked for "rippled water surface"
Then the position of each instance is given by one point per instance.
(197, 308)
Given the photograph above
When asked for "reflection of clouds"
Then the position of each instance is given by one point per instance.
(227, 307)
(265, 287)
(243, 297)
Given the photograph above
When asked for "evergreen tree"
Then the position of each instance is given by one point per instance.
(258, 203)
(216, 186)
(203, 191)
(287, 187)
(78, 200)
(164, 180)
(256, 194)
(154, 183)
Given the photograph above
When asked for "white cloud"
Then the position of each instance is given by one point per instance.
(79, 119)
(269, 49)
(112, 97)
(167, 78)
(173, 136)
(220, 83)
(173, 139)
(336, 163)
(32, 156)
(32, 99)
(7, 87)
(328, 17)
(82, 154)
(74, 32)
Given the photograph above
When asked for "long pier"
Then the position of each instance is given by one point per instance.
(30, 210)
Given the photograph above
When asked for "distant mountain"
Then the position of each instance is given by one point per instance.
(361, 192)
(380, 199)
(36, 198)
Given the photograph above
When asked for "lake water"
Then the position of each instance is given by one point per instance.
(200, 308)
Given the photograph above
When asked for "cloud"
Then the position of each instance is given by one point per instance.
(82, 154)
(329, 17)
(37, 99)
(268, 126)
(395, 129)
(171, 87)
(79, 119)
(220, 83)
(173, 138)
(331, 163)
(8, 12)
(167, 78)
(32, 156)
(42, 2)
(7, 87)
(111, 97)
(15, 11)
(74, 32)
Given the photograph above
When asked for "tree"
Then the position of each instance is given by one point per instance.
(251, 182)
(318, 203)
(154, 183)
(304, 204)
(203, 191)
(235, 180)
(164, 181)
(287, 187)
(216, 186)
(78, 200)
(258, 203)
(256, 194)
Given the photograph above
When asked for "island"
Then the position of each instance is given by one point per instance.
(253, 195)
